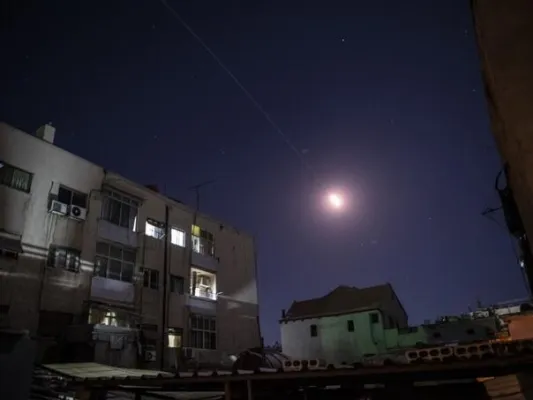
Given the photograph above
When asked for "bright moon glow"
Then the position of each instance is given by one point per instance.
(335, 200)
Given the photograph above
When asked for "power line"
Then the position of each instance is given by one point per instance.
(256, 104)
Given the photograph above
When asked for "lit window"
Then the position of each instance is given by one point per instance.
(175, 337)
(203, 284)
(154, 229)
(110, 319)
(177, 237)
(203, 242)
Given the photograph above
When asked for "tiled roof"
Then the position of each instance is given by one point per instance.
(341, 300)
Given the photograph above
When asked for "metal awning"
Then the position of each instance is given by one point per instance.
(10, 244)
(99, 371)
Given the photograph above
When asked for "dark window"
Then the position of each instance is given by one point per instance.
(63, 257)
(391, 322)
(470, 331)
(350, 326)
(374, 318)
(437, 335)
(313, 330)
(120, 210)
(71, 197)
(177, 284)
(203, 332)
(114, 262)
(15, 178)
(150, 278)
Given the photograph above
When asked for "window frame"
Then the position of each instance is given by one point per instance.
(73, 192)
(108, 257)
(183, 236)
(313, 330)
(350, 325)
(52, 258)
(150, 273)
(202, 241)
(181, 285)
(14, 170)
(208, 335)
(177, 333)
(157, 227)
(122, 201)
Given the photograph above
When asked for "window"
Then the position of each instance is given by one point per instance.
(391, 322)
(154, 229)
(374, 318)
(71, 197)
(177, 237)
(174, 338)
(470, 331)
(177, 284)
(313, 330)
(63, 257)
(150, 278)
(15, 178)
(114, 262)
(119, 209)
(203, 332)
(203, 284)
(350, 326)
(203, 242)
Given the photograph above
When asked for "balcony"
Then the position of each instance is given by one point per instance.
(203, 253)
(116, 233)
(111, 289)
(202, 290)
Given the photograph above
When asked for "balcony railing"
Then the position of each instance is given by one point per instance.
(203, 293)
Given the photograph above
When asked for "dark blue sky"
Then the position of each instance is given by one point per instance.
(387, 100)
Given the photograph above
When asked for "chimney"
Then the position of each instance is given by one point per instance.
(283, 314)
(46, 132)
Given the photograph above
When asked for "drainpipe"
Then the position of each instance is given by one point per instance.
(261, 342)
(165, 283)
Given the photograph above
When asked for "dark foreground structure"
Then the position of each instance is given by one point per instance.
(453, 380)
(504, 31)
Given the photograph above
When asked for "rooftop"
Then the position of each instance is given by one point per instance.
(342, 300)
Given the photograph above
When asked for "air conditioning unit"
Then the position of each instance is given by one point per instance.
(78, 212)
(150, 355)
(57, 207)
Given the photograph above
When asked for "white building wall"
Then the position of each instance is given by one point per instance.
(33, 286)
(28, 286)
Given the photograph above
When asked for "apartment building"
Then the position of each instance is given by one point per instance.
(99, 267)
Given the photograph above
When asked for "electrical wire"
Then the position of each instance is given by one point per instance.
(236, 80)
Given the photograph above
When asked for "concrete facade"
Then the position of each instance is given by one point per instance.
(81, 244)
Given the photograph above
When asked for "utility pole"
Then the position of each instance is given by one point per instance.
(196, 189)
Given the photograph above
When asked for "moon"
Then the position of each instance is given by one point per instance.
(336, 200)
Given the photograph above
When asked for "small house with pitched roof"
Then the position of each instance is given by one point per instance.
(343, 325)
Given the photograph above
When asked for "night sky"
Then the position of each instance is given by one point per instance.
(382, 99)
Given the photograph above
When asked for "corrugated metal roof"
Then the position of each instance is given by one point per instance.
(91, 372)
(100, 371)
